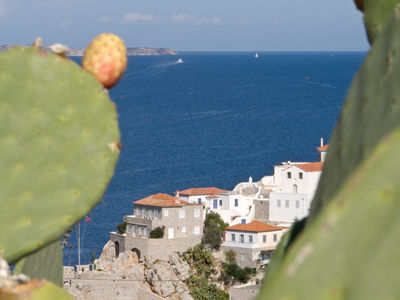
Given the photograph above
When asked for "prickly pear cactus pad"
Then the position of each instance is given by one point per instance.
(59, 144)
(349, 247)
(376, 14)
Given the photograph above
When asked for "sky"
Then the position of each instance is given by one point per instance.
(189, 25)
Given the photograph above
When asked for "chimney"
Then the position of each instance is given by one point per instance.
(177, 194)
(250, 179)
(322, 142)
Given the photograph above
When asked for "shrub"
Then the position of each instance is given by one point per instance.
(121, 228)
(201, 289)
(213, 231)
(230, 256)
(157, 233)
(231, 271)
(200, 259)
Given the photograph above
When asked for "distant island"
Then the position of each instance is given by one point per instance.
(130, 50)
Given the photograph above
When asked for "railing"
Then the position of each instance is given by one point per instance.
(138, 220)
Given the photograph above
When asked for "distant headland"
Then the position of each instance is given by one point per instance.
(130, 50)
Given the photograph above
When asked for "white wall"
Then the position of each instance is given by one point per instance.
(288, 214)
(258, 241)
(306, 185)
(237, 243)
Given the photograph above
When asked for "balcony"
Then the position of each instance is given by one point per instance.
(136, 220)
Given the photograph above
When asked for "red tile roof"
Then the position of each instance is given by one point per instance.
(255, 226)
(323, 148)
(161, 200)
(202, 191)
(212, 196)
(311, 167)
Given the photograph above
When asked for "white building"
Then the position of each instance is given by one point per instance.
(287, 194)
(232, 206)
(297, 186)
(253, 243)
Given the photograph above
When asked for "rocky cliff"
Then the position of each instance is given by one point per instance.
(125, 277)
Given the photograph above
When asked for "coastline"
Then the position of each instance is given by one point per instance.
(131, 51)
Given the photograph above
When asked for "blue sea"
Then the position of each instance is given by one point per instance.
(214, 120)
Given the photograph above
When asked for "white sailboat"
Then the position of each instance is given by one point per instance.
(179, 61)
(256, 55)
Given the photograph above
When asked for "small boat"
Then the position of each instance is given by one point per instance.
(307, 78)
(256, 55)
(179, 61)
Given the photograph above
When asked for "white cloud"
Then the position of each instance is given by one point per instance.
(106, 19)
(137, 18)
(184, 18)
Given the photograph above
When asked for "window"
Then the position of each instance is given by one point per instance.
(243, 221)
(183, 229)
(196, 230)
(166, 213)
(181, 214)
(198, 200)
(242, 238)
(275, 237)
(278, 203)
(233, 237)
(295, 188)
(134, 228)
(143, 212)
(215, 203)
(220, 202)
(236, 202)
(289, 175)
(300, 175)
(140, 230)
(196, 213)
(297, 204)
(287, 203)
(264, 238)
(242, 257)
(149, 213)
(156, 214)
(250, 239)
(138, 211)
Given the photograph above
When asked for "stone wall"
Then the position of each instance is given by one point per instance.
(248, 254)
(261, 210)
(246, 292)
(160, 248)
(115, 237)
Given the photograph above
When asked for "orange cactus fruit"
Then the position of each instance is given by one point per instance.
(106, 59)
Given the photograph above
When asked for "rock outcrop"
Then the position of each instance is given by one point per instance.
(124, 277)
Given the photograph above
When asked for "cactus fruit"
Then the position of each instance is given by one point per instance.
(349, 247)
(105, 58)
(58, 126)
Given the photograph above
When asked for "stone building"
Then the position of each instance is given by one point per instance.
(182, 223)
(253, 243)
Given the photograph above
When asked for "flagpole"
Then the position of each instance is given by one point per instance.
(79, 246)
